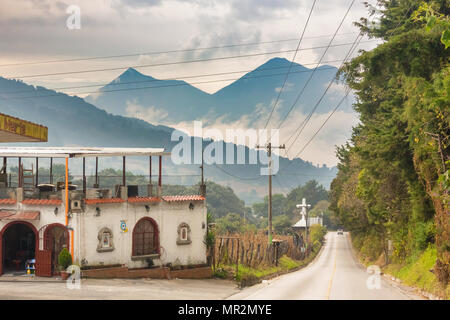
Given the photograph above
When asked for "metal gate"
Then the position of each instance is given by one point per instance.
(44, 267)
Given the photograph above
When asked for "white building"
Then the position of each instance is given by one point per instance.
(98, 228)
(301, 224)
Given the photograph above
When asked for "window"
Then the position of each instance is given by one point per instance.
(105, 242)
(184, 234)
(145, 238)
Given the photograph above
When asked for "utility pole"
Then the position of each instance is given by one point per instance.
(304, 213)
(202, 168)
(269, 148)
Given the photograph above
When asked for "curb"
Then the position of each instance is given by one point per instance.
(389, 277)
(32, 281)
(281, 273)
(418, 291)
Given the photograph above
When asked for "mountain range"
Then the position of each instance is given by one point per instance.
(73, 121)
(173, 101)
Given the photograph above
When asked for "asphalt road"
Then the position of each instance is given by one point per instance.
(335, 274)
(120, 289)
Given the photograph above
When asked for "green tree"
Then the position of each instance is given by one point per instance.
(278, 206)
(282, 224)
(230, 223)
(388, 183)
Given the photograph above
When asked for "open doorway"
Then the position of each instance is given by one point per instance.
(18, 246)
(56, 238)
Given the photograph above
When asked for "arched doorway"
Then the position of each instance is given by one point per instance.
(18, 241)
(145, 238)
(56, 237)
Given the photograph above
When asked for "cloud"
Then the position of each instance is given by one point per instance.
(320, 151)
(136, 3)
(149, 114)
(33, 30)
(287, 87)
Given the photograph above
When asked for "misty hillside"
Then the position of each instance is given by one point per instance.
(174, 101)
(73, 121)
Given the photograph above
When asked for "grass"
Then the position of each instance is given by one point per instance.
(417, 273)
(255, 245)
(248, 276)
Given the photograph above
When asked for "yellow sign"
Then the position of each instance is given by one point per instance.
(23, 128)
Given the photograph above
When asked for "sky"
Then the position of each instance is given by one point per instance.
(36, 31)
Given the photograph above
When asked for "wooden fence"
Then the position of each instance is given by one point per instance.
(253, 250)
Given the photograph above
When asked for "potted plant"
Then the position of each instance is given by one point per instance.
(64, 261)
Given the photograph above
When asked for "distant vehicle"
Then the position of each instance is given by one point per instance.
(340, 231)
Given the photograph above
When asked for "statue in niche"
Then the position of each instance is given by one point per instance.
(105, 240)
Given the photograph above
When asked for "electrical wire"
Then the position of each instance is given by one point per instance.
(308, 118)
(153, 87)
(174, 78)
(173, 62)
(290, 65)
(161, 52)
(321, 58)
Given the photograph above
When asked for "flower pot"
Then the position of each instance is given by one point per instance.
(64, 275)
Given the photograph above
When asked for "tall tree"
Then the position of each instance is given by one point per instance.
(388, 177)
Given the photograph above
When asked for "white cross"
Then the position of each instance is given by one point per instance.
(303, 205)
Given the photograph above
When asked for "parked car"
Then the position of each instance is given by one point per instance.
(340, 231)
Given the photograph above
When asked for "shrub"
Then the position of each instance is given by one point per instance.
(64, 259)
(372, 247)
(287, 263)
(220, 273)
(317, 232)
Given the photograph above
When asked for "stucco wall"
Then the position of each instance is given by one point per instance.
(167, 215)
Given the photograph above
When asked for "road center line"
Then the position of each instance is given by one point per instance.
(330, 284)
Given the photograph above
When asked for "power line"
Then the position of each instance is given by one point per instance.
(154, 87)
(176, 78)
(334, 110)
(278, 174)
(163, 52)
(234, 176)
(323, 124)
(175, 62)
(308, 118)
(312, 74)
(290, 66)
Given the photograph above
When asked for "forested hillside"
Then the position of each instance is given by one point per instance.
(392, 185)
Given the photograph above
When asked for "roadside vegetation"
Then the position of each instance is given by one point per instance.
(248, 276)
(392, 187)
(257, 260)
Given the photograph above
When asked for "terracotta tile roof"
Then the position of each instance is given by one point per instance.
(22, 215)
(4, 214)
(42, 202)
(109, 200)
(8, 201)
(144, 199)
(183, 198)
